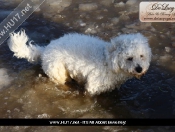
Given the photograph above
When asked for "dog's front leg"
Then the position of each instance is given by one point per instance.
(96, 85)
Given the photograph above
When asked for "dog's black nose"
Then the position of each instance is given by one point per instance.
(138, 69)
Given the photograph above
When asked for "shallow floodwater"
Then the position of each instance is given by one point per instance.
(26, 92)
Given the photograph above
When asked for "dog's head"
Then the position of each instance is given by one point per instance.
(130, 53)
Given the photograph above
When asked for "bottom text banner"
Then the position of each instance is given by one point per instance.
(87, 122)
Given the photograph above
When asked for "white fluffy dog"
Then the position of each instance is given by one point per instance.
(100, 65)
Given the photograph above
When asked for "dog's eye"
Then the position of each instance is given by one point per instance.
(141, 56)
(130, 58)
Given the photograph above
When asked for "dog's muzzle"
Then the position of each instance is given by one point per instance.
(138, 76)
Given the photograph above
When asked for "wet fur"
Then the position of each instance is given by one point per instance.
(100, 65)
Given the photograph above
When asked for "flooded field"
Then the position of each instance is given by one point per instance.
(26, 92)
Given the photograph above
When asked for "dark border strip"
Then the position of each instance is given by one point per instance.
(87, 122)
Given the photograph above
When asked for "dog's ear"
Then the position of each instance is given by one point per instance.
(111, 47)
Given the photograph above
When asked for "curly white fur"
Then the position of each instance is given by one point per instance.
(100, 65)
(17, 44)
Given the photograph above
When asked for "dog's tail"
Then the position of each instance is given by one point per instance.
(18, 44)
